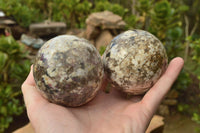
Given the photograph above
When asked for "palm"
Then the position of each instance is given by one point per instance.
(105, 113)
(111, 110)
(101, 114)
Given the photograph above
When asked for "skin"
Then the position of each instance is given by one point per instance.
(105, 113)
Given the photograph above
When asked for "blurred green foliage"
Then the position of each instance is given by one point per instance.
(196, 117)
(21, 12)
(102, 5)
(13, 71)
(72, 12)
(102, 50)
(195, 46)
(164, 18)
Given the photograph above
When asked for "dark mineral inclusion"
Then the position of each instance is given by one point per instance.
(134, 61)
(68, 70)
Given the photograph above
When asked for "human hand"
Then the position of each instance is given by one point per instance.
(105, 113)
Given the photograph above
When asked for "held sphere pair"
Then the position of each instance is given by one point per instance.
(69, 71)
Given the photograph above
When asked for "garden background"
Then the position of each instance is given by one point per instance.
(175, 22)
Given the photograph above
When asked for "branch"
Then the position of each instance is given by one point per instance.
(195, 26)
(186, 35)
(186, 26)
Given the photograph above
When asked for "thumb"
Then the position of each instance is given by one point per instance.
(32, 97)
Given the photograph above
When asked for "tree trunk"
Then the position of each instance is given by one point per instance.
(134, 11)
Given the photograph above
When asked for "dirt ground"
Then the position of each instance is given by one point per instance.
(180, 124)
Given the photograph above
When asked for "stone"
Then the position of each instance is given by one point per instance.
(170, 102)
(31, 41)
(116, 32)
(7, 22)
(106, 20)
(156, 125)
(173, 94)
(68, 71)
(134, 61)
(2, 14)
(92, 32)
(81, 34)
(48, 28)
(76, 32)
(104, 39)
(163, 110)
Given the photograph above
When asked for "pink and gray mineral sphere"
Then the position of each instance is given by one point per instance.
(68, 70)
(134, 61)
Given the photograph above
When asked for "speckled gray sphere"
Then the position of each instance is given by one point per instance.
(134, 61)
(68, 70)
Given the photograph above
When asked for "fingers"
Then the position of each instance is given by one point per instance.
(31, 95)
(30, 80)
(154, 96)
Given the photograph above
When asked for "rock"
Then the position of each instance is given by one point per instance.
(134, 61)
(7, 22)
(81, 34)
(156, 125)
(100, 22)
(116, 32)
(2, 14)
(48, 28)
(105, 20)
(104, 39)
(170, 102)
(31, 41)
(68, 71)
(76, 32)
(163, 110)
(173, 94)
(92, 32)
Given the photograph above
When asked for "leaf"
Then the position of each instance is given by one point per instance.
(196, 118)
(15, 68)
(8, 91)
(3, 60)
(175, 33)
(183, 8)
(3, 110)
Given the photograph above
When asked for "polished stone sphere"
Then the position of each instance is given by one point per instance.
(68, 70)
(134, 61)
